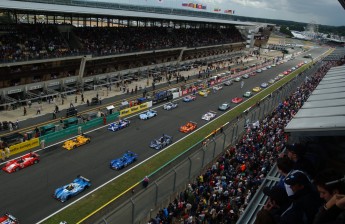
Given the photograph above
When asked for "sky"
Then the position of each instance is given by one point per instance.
(325, 12)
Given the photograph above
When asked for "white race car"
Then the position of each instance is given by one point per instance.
(209, 115)
(219, 87)
(170, 106)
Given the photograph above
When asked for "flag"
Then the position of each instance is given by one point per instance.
(185, 4)
(217, 10)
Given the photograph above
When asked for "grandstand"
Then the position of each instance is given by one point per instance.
(47, 52)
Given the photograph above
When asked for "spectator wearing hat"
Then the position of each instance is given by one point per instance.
(329, 189)
(305, 201)
(296, 153)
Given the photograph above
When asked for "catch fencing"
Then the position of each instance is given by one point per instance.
(146, 204)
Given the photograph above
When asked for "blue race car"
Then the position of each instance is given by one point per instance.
(170, 106)
(161, 142)
(148, 114)
(78, 185)
(118, 125)
(127, 158)
(189, 98)
(264, 85)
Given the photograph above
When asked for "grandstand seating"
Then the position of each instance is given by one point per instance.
(36, 41)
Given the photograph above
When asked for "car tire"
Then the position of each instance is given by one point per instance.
(36, 161)
(17, 169)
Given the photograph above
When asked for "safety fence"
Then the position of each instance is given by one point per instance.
(140, 207)
(78, 129)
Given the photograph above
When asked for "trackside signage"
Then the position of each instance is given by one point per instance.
(23, 146)
(134, 109)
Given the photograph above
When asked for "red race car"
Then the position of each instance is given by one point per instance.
(21, 163)
(190, 126)
(237, 100)
(7, 218)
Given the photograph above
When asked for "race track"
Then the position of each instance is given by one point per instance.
(27, 194)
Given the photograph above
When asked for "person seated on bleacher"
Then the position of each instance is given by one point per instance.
(330, 188)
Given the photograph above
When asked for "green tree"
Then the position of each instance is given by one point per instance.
(285, 30)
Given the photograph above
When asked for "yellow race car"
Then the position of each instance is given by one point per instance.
(76, 142)
(204, 92)
(256, 89)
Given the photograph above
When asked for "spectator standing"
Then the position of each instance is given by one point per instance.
(76, 99)
(54, 115)
(7, 152)
(146, 182)
(25, 111)
(305, 201)
(296, 153)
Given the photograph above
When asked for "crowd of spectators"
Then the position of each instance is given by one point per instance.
(36, 41)
(104, 41)
(221, 194)
(31, 41)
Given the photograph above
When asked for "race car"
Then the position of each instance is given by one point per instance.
(256, 89)
(228, 83)
(245, 76)
(209, 115)
(204, 92)
(21, 163)
(148, 114)
(264, 85)
(286, 72)
(247, 94)
(118, 125)
(259, 70)
(269, 67)
(238, 79)
(190, 126)
(218, 87)
(161, 142)
(189, 98)
(274, 65)
(224, 106)
(78, 185)
(170, 106)
(126, 159)
(76, 142)
(281, 75)
(271, 81)
(8, 219)
(237, 100)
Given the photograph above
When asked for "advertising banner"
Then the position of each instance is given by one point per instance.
(24, 146)
(134, 109)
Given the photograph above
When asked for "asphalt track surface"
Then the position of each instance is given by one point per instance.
(27, 194)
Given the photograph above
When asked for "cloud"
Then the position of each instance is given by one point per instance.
(252, 3)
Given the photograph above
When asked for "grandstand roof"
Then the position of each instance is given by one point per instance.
(117, 10)
(324, 112)
(342, 3)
